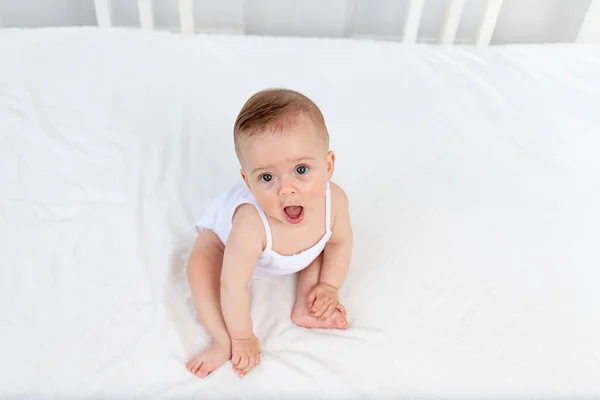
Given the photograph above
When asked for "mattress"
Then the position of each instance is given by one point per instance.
(473, 179)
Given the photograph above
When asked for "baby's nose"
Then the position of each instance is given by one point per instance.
(286, 190)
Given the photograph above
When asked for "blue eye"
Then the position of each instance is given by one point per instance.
(266, 178)
(301, 170)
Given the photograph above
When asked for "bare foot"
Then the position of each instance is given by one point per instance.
(210, 359)
(301, 317)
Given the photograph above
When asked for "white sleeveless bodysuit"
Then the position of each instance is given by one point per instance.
(218, 218)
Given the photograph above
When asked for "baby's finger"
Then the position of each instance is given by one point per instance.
(330, 309)
(318, 313)
(245, 361)
(317, 305)
(251, 364)
(245, 371)
(235, 360)
(310, 299)
(341, 309)
(321, 308)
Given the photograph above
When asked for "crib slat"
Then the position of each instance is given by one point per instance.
(411, 25)
(103, 13)
(590, 24)
(186, 16)
(488, 22)
(451, 21)
(146, 14)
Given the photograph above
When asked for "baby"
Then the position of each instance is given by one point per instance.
(285, 217)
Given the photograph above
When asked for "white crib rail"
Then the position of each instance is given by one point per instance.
(488, 22)
(186, 16)
(146, 14)
(451, 21)
(591, 24)
(447, 35)
(413, 19)
(103, 13)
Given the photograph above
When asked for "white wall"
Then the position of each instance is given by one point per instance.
(520, 21)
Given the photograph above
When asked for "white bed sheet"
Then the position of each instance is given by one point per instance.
(473, 177)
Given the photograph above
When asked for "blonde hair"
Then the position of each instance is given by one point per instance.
(272, 110)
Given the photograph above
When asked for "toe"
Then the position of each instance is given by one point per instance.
(339, 321)
(196, 367)
(204, 370)
(190, 366)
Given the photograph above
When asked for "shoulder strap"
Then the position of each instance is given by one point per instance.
(265, 221)
(263, 217)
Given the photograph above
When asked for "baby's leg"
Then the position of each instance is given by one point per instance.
(307, 279)
(204, 277)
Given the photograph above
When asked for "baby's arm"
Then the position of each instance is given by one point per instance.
(338, 251)
(323, 298)
(244, 245)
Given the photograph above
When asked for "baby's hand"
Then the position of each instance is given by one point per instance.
(322, 301)
(245, 354)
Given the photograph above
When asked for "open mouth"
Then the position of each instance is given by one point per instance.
(294, 214)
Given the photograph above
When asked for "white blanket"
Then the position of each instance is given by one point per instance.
(473, 177)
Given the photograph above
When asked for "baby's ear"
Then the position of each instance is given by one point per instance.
(244, 177)
(330, 163)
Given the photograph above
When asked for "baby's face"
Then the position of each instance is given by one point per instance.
(288, 172)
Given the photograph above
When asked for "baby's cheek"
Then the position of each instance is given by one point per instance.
(317, 189)
(274, 207)
(274, 210)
